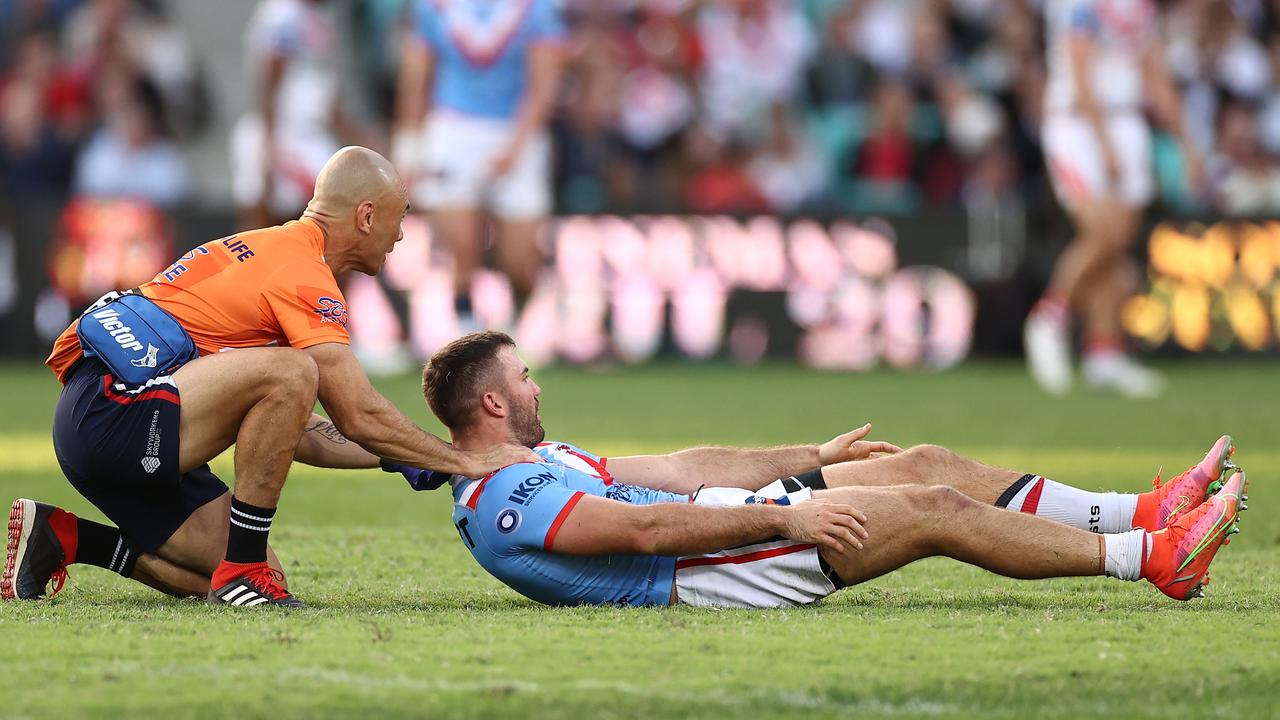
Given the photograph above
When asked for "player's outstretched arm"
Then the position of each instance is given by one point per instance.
(750, 469)
(599, 526)
(362, 414)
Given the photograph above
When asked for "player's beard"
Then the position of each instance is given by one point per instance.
(526, 428)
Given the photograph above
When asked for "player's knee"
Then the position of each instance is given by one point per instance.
(941, 500)
(933, 455)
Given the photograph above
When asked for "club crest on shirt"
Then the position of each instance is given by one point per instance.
(620, 492)
(331, 311)
(508, 520)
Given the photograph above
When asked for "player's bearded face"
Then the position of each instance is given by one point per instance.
(526, 426)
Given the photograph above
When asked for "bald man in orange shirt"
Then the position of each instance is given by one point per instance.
(265, 312)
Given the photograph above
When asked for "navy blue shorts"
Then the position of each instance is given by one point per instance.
(119, 449)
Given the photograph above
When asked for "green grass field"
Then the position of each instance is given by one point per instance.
(404, 624)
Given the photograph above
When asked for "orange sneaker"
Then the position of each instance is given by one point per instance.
(1172, 499)
(1180, 555)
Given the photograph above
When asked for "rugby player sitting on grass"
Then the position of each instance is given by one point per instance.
(714, 527)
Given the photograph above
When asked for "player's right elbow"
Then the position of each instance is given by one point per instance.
(358, 427)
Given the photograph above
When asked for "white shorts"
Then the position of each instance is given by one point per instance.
(457, 151)
(299, 157)
(780, 573)
(1075, 161)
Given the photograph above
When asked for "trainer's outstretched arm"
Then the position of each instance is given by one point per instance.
(751, 469)
(322, 445)
(362, 414)
(599, 526)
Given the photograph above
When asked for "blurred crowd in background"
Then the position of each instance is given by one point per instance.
(811, 106)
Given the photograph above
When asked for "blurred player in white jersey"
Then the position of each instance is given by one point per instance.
(1105, 61)
(477, 84)
(295, 117)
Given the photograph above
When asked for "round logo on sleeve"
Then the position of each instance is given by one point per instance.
(508, 520)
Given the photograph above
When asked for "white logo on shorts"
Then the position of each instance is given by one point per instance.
(508, 520)
(148, 360)
(150, 464)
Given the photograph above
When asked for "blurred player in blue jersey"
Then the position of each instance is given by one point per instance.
(478, 140)
(715, 527)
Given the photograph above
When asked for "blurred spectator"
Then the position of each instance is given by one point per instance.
(787, 170)
(130, 156)
(39, 113)
(592, 171)
(1269, 118)
(790, 91)
(886, 160)
(756, 52)
(101, 34)
(1246, 176)
(721, 183)
(877, 31)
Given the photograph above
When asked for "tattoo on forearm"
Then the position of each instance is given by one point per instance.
(328, 431)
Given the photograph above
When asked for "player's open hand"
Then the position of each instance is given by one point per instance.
(835, 526)
(483, 462)
(850, 446)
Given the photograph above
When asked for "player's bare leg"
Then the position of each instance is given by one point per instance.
(906, 524)
(932, 465)
(462, 231)
(259, 399)
(519, 256)
(924, 465)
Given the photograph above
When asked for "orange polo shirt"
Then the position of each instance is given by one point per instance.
(257, 288)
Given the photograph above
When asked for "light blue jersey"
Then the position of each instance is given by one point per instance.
(480, 47)
(508, 520)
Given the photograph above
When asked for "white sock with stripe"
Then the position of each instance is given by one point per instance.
(1125, 553)
(1097, 512)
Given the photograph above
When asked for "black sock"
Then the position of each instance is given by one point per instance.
(105, 547)
(247, 539)
(812, 479)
